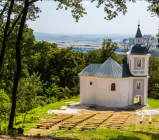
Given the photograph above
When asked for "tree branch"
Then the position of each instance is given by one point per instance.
(5, 34)
(8, 19)
(15, 23)
(32, 1)
(4, 8)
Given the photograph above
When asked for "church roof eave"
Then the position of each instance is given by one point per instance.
(109, 69)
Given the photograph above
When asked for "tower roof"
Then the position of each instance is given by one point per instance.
(138, 49)
(138, 33)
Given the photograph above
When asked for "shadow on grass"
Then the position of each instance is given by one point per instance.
(151, 136)
(121, 137)
(94, 107)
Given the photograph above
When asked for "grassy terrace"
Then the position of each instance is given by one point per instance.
(36, 115)
(132, 129)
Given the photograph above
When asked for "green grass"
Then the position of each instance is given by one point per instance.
(131, 132)
(153, 103)
(38, 113)
(154, 120)
(136, 100)
(108, 134)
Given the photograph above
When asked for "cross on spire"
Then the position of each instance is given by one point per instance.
(139, 23)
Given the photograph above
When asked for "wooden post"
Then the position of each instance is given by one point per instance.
(150, 119)
(142, 118)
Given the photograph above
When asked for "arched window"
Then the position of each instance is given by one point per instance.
(138, 40)
(138, 85)
(139, 63)
(113, 87)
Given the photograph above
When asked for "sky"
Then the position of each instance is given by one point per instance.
(61, 21)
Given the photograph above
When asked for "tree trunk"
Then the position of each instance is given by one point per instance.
(6, 35)
(18, 59)
(0, 125)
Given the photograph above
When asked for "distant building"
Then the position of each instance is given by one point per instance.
(115, 85)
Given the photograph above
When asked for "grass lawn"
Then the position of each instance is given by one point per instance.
(153, 103)
(36, 115)
(108, 134)
(132, 129)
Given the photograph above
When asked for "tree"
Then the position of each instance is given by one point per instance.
(108, 48)
(154, 7)
(66, 63)
(28, 89)
(16, 8)
(127, 43)
(153, 83)
(77, 12)
(53, 89)
(150, 42)
(91, 57)
(64, 93)
(4, 104)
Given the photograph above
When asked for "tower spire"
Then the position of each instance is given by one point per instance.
(138, 33)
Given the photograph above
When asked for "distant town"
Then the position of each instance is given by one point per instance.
(85, 42)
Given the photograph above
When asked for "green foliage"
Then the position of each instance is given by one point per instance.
(108, 48)
(65, 93)
(153, 84)
(65, 64)
(4, 104)
(112, 7)
(35, 115)
(153, 103)
(28, 89)
(101, 55)
(5, 131)
(154, 7)
(52, 91)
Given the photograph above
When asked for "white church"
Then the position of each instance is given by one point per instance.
(115, 85)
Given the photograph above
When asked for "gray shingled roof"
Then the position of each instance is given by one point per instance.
(138, 49)
(138, 33)
(90, 70)
(109, 69)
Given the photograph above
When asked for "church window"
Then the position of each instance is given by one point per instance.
(113, 87)
(139, 63)
(90, 83)
(138, 85)
(138, 40)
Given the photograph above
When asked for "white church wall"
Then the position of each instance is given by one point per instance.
(131, 92)
(100, 93)
(117, 98)
(87, 91)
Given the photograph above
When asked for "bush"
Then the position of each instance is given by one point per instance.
(4, 104)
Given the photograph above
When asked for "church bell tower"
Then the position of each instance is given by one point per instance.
(138, 37)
